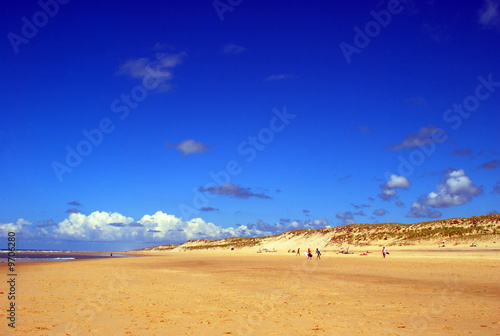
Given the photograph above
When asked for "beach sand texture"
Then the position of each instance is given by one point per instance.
(245, 293)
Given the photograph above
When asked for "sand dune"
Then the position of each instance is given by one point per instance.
(484, 230)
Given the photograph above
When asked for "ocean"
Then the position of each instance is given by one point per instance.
(56, 255)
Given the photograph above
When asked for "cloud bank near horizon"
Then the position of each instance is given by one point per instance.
(157, 228)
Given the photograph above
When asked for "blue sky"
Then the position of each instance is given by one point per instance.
(140, 123)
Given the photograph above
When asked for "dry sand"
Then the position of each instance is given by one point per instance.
(433, 292)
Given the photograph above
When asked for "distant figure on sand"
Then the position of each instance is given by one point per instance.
(384, 251)
(298, 251)
(347, 251)
(318, 254)
(111, 254)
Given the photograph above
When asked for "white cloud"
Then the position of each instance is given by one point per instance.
(397, 182)
(455, 189)
(190, 146)
(387, 194)
(158, 68)
(389, 188)
(94, 227)
(155, 229)
(489, 15)
(20, 227)
(161, 226)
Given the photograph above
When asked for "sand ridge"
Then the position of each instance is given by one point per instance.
(484, 230)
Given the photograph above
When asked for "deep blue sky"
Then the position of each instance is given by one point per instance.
(353, 117)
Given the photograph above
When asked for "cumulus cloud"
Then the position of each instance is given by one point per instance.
(157, 228)
(158, 67)
(397, 182)
(423, 136)
(233, 190)
(400, 204)
(489, 14)
(73, 210)
(380, 212)
(188, 147)
(94, 227)
(490, 165)
(173, 228)
(389, 188)
(233, 49)
(387, 194)
(456, 188)
(20, 227)
(75, 203)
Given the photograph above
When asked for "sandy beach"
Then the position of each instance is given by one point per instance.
(228, 292)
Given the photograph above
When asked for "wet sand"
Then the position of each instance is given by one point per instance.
(245, 293)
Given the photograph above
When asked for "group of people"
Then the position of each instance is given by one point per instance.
(309, 255)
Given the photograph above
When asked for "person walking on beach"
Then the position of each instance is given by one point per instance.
(318, 254)
(298, 251)
(309, 254)
(384, 251)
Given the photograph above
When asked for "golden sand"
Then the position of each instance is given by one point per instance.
(227, 292)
